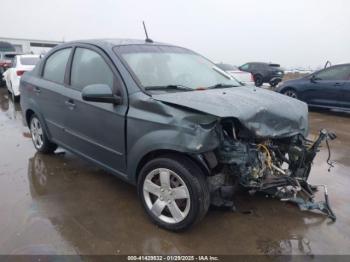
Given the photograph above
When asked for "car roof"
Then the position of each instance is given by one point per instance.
(346, 64)
(264, 64)
(115, 42)
(260, 63)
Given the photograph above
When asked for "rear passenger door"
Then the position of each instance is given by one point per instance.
(49, 93)
(96, 130)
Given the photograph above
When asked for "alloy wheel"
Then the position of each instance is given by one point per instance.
(166, 195)
(37, 133)
(291, 93)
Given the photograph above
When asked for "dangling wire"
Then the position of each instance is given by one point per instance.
(329, 161)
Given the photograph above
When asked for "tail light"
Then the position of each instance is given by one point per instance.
(252, 77)
(20, 72)
(5, 64)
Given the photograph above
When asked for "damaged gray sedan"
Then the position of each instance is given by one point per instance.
(169, 121)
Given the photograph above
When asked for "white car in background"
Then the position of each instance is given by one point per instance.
(245, 78)
(20, 65)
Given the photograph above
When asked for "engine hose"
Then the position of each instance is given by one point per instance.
(269, 159)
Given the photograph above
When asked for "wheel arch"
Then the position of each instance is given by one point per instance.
(197, 159)
(28, 115)
(257, 75)
(289, 88)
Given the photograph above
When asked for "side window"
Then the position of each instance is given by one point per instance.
(334, 73)
(89, 68)
(347, 68)
(256, 67)
(55, 65)
(245, 67)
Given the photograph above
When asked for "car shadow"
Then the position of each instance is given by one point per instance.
(331, 112)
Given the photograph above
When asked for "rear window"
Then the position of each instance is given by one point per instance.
(274, 65)
(29, 60)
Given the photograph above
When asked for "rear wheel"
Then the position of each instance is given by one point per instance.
(39, 136)
(174, 192)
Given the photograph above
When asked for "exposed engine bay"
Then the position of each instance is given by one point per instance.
(278, 167)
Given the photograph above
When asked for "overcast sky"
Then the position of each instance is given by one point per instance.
(289, 32)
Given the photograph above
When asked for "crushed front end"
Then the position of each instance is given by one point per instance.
(279, 167)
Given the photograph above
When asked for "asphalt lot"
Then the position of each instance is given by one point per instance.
(60, 204)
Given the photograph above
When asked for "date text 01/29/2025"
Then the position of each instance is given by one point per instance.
(173, 258)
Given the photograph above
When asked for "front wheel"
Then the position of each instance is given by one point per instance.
(39, 136)
(291, 93)
(258, 79)
(274, 83)
(174, 192)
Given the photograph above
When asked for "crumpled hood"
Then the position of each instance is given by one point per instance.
(265, 113)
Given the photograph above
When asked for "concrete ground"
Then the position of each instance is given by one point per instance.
(60, 204)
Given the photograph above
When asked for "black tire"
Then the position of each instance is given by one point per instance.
(194, 179)
(274, 83)
(258, 79)
(290, 92)
(16, 99)
(46, 147)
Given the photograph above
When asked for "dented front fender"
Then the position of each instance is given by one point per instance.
(153, 125)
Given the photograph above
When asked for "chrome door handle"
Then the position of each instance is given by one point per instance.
(70, 103)
(37, 90)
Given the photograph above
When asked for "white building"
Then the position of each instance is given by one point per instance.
(34, 46)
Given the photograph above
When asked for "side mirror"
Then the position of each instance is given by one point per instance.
(100, 93)
(314, 78)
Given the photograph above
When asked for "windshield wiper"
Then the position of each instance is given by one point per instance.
(178, 87)
(220, 85)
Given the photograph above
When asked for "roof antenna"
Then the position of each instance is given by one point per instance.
(148, 40)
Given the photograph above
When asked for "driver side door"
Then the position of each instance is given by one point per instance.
(96, 130)
(325, 86)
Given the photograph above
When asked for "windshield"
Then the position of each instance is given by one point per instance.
(164, 66)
